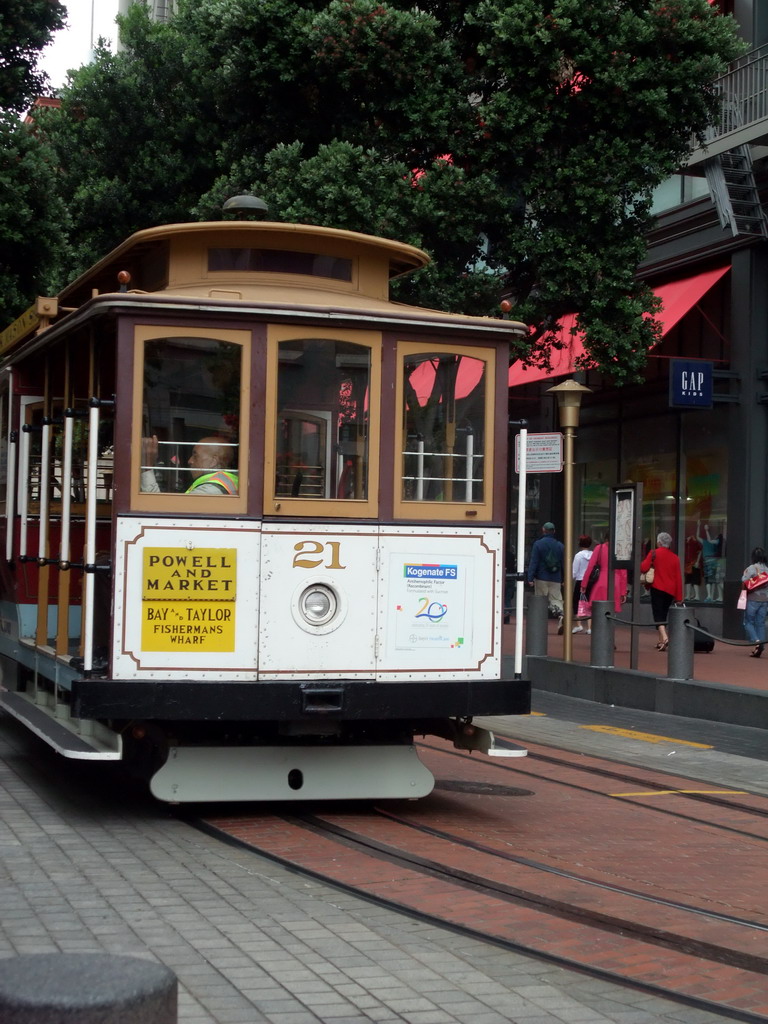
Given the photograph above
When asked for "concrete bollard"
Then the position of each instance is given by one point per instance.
(601, 648)
(680, 651)
(86, 988)
(536, 626)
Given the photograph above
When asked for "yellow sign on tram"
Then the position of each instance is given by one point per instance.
(20, 327)
(189, 599)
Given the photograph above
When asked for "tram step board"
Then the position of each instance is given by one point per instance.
(56, 735)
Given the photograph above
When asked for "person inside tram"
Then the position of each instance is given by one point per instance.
(210, 465)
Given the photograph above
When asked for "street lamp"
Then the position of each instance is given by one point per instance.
(568, 395)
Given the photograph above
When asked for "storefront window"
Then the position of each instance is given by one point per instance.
(597, 448)
(650, 459)
(704, 488)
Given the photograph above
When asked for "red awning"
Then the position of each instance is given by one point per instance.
(678, 298)
(467, 378)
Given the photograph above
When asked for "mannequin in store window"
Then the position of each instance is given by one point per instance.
(711, 550)
(693, 567)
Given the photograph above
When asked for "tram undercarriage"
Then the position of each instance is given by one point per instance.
(163, 734)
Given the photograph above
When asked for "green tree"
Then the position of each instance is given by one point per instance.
(32, 213)
(26, 26)
(518, 141)
(33, 220)
(135, 137)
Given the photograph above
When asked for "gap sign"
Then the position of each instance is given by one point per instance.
(690, 384)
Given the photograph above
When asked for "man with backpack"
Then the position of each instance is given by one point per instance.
(545, 570)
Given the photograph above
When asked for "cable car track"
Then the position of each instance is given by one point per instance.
(513, 894)
(469, 863)
(708, 799)
(573, 876)
(710, 955)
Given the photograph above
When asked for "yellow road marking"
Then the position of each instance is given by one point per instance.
(649, 737)
(697, 792)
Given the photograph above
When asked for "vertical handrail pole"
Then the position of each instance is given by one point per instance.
(420, 470)
(90, 533)
(10, 494)
(45, 482)
(520, 584)
(66, 489)
(470, 466)
(24, 489)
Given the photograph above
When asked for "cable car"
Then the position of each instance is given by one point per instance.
(253, 516)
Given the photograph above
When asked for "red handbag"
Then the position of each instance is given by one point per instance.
(755, 582)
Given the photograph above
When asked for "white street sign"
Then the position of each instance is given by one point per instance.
(543, 453)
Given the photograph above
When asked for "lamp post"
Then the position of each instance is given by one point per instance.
(568, 395)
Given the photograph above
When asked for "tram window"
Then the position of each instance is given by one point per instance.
(278, 261)
(191, 416)
(322, 428)
(444, 428)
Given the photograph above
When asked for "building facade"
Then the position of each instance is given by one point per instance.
(159, 10)
(703, 467)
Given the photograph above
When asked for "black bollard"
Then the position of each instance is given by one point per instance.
(86, 988)
(601, 648)
(681, 637)
(536, 626)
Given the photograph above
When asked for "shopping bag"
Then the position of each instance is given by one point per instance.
(583, 610)
(741, 604)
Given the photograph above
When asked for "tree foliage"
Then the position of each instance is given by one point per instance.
(33, 219)
(26, 26)
(518, 141)
(32, 213)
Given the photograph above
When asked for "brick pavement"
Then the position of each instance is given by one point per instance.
(727, 665)
(628, 846)
(89, 867)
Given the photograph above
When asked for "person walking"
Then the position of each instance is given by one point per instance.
(667, 586)
(598, 591)
(580, 563)
(545, 570)
(757, 601)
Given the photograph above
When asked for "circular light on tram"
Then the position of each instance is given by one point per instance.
(318, 605)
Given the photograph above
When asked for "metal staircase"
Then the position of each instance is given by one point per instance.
(731, 181)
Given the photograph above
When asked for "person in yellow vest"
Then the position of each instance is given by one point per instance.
(209, 464)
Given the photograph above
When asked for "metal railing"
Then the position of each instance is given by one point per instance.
(743, 90)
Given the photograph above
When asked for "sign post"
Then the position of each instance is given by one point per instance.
(626, 533)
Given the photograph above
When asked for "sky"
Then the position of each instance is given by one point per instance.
(71, 48)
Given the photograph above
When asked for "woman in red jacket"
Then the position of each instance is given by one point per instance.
(667, 584)
(598, 591)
